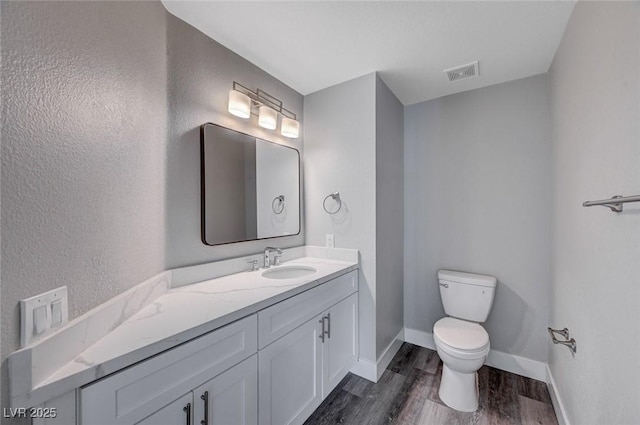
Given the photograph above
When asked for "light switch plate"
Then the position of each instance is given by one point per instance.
(54, 315)
(41, 319)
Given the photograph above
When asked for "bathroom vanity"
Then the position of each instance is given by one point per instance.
(264, 346)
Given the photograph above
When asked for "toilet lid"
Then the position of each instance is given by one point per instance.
(461, 334)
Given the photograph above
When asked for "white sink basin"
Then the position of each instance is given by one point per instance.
(288, 272)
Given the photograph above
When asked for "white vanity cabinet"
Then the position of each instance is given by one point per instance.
(229, 398)
(290, 382)
(272, 367)
(222, 362)
(298, 370)
(340, 348)
(177, 412)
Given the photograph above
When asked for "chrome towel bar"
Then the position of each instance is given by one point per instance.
(614, 203)
(569, 343)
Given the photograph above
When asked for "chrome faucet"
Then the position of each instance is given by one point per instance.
(268, 249)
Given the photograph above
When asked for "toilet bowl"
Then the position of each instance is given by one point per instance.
(463, 347)
(461, 342)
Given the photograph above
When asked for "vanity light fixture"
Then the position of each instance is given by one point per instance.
(243, 101)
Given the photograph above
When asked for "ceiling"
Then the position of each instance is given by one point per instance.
(313, 45)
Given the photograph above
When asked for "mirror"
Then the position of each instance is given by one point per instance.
(250, 188)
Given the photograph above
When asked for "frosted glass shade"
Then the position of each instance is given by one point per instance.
(267, 118)
(239, 104)
(289, 128)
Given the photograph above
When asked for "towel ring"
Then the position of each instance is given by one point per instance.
(336, 197)
(277, 205)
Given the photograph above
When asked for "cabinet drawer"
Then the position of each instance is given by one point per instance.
(131, 395)
(281, 318)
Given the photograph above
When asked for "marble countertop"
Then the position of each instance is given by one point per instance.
(180, 315)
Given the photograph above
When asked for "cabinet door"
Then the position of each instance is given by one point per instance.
(290, 369)
(340, 350)
(230, 398)
(178, 412)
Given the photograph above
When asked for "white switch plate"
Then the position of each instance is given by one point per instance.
(41, 320)
(330, 241)
(55, 298)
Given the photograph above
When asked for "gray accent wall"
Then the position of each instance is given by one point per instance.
(340, 144)
(354, 145)
(595, 279)
(200, 74)
(389, 216)
(84, 124)
(102, 104)
(477, 199)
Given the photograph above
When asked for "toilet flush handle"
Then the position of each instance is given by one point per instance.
(446, 285)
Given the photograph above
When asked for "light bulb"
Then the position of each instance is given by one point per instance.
(267, 118)
(239, 104)
(290, 128)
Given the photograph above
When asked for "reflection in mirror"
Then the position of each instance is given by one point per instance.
(250, 187)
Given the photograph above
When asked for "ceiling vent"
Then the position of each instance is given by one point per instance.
(464, 71)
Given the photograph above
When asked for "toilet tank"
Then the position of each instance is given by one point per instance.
(467, 296)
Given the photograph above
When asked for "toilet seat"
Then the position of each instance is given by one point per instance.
(461, 339)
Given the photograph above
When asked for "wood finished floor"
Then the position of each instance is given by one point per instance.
(407, 394)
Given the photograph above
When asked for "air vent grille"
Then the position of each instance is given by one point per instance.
(464, 71)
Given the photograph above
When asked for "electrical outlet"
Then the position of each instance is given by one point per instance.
(42, 314)
(330, 241)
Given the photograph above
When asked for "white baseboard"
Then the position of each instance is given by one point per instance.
(373, 371)
(503, 361)
(558, 405)
(519, 365)
(365, 369)
(416, 337)
(388, 353)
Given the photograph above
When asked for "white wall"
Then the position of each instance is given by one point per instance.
(595, 95)
(277, 172)
(340, 144)
(477, 199)
(389, 216)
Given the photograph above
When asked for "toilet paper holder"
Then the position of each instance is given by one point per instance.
(569, 343)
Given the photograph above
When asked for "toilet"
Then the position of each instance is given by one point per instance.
(461, 342)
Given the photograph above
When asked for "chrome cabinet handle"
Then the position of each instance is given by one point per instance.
(321, 336)
(205, 398)
(328, 317)
(187, 409)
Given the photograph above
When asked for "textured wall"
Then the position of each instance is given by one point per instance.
(100, 148)
(201, 73)
(340, 143)
(389, 216)
(595, 95)
(477, 199)
(82, 152)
